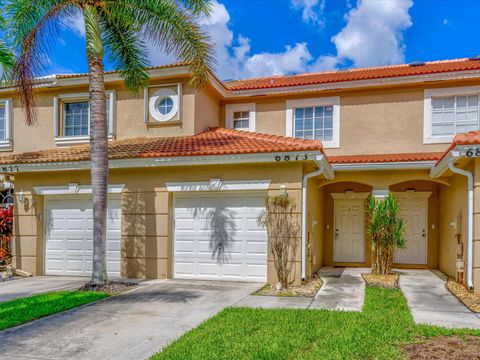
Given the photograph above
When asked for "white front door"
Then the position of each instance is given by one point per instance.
(69, 231)
(414, 211)
(217, 237)
(349, 231)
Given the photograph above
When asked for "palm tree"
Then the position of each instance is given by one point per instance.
(122, 28)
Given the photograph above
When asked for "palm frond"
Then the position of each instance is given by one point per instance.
(164, 24)
(125, 50)
(7, 61)
(198, 6)
(36, 23)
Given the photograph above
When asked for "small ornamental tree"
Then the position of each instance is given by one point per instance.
(283, 232)
(6, 232)
(387, 232)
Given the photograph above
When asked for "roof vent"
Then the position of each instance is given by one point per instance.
(474, 58)
(416, 63)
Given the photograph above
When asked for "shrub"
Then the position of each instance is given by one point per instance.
(283, 232)
(387, 232)
(6, 233)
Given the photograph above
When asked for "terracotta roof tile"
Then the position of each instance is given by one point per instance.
(354, 74)
(470, 138)
(384, 158)
(215, 141)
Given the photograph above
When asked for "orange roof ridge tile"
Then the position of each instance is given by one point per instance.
(383, 158)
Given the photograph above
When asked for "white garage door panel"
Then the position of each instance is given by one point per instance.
(203, 221)
(69, 229)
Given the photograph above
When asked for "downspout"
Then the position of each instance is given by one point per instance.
(323, 168)
(469, 176)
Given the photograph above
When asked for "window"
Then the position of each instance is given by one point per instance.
(314, 123)
(76, 118)
(163, 104)
(74, 126)
(314, 119)
(241, 120)
(5, 121)
(240, 116)
(449, 112)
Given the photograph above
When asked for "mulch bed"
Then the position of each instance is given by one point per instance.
(385, 281)
(445, 348)
(112, 288)
(470, 299)
(307, 289)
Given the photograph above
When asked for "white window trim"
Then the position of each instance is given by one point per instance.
(74, 189)
(61, 140)
(7, 145)
(333, 101)
(218, 185)
(146, 100)
(232, 108)
(428, 138)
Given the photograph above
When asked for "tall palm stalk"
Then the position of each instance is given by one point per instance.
(121, 29)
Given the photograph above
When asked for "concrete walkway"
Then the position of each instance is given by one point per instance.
(14, 289)
(342, 289)
(431, 303)
(133, 325)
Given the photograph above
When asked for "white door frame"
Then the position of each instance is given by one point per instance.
(348, 195)
(417, 195)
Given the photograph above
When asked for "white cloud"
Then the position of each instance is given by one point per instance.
(446, 22)
(311, 11)
(374, 33)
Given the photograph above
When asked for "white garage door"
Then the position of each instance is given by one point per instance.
(217, 237)
(69, 229)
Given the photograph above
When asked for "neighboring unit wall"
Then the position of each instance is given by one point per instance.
(146, 211)
(453, 211)
(476, 227)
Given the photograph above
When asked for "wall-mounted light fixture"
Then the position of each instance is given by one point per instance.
(21, 197)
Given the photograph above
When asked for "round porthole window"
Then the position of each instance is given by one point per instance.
(164, 104)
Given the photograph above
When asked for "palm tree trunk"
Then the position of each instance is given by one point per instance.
(98, 145)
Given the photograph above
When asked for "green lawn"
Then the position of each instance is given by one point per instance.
(243, 333)
(19, 311)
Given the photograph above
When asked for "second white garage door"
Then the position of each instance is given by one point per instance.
(68, 235)
(216, 237)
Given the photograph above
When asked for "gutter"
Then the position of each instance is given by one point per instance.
(399, 165)
(469, 175)
(325, 169)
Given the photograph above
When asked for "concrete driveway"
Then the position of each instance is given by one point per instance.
(133, 325)
(19, 288)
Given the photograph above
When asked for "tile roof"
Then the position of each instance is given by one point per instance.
(384, 158)
(470, 138)
(432, 67)
(215, 141)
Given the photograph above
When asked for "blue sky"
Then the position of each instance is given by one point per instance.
(265, 37)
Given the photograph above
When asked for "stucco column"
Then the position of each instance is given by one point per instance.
(476, 226)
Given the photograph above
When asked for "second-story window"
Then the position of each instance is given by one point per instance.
(240, 116)
(5, 121)
(72, 117)
(314, 119)
(314, 123)
(454, 114)
(76, 120)
(241, 120)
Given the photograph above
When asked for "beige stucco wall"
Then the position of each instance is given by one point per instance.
(453, 209)
(146, 211)
(129, 118)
